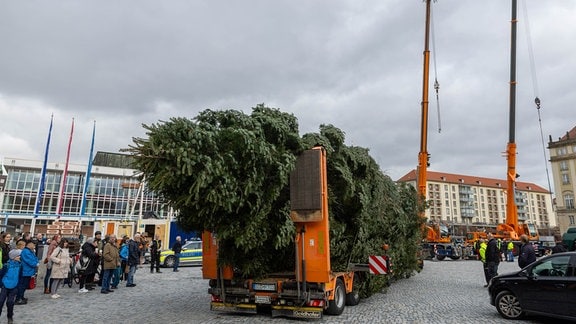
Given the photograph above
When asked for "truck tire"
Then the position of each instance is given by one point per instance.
(353, 298)
(440, 257)
(336, 306)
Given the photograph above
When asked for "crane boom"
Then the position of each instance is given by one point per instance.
(512, 228)
(511, 208)
(423, 154)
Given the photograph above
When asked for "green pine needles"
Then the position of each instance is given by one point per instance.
(228, 172)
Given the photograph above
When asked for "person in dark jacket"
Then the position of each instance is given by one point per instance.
(5, 246)
(133, 259)
(155, 254)
(177, 248)
(87, 278)
(492, 257)
(559, 248)
(527, 254)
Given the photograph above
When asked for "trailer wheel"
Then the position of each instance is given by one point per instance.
(353, 298)
(336, 306)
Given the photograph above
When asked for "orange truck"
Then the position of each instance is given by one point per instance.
(511, 231)
(439, 243)
(311, 288)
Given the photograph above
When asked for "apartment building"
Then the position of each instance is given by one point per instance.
(465, 199)
(563, 162)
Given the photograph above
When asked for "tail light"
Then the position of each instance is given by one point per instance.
(216, 299)
(316, 303)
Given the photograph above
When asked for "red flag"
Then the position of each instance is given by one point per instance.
(64, 174)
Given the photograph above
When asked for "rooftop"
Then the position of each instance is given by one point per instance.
(569, 135)
(472, 180)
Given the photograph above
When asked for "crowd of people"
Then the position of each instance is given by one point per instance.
(19, 265)
(112, 259)
(492, 251)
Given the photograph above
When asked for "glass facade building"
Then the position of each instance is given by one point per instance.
(115, 192)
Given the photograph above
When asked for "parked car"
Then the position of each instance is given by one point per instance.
(191, 255)
(545, 287)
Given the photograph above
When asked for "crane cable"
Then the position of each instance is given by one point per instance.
(436, 84)
(535, 89)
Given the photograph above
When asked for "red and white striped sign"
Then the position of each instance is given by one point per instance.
(378, 264)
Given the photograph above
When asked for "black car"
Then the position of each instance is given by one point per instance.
(546, 287)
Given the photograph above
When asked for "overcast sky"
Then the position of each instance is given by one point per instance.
(351, 63)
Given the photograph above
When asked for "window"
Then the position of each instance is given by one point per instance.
(569, 201)
(562, 151)
(565, 178)
(564, 165)
(571, 219)
(553, 267)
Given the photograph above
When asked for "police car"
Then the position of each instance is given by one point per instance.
(191, 255)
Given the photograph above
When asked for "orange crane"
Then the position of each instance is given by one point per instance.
(512, 229)
(512, 226)
(437, 241)
(423, 156)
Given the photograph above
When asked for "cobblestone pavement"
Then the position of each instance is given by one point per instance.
(444, 292)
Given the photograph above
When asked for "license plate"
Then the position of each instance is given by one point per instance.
(263, 300)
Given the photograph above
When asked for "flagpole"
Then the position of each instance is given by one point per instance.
(42, 179)
(64, 174)
(88, 173)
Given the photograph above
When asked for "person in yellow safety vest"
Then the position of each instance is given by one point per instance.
(482, 254)
(510, 251)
